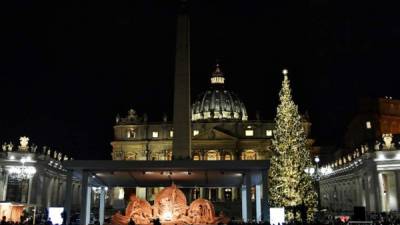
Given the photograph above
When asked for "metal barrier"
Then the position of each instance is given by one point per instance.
(359, 222)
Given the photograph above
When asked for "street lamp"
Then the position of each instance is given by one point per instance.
(315, 173)
(22, 172)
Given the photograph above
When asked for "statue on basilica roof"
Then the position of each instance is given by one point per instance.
(23, 143)
(132, 116)
(10, 146)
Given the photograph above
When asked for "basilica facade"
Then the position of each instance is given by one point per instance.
(221, 130)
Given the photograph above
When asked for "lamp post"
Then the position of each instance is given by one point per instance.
(22, 172)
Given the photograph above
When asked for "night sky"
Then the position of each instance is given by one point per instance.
(68, 67)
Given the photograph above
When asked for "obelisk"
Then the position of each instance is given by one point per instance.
(181, 146)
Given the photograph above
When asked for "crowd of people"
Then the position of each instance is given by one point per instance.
(5, 222)
(381, 219)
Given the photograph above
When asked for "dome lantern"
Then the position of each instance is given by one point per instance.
(217, 103)
(217, 76)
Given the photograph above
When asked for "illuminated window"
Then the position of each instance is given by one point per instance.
(228, 194)
(169, 155)
(121, 193)
(253, 193)
(207, 115)
(249, 155)
(268, 133)
(249, 133)
(131, 133)
(228, 157)
(196, 157)
(217, 80)
(212, 155)
(171, 133)
(155, 134)
(195, 132)
(368, 125)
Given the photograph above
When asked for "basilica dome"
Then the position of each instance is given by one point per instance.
(217, 103)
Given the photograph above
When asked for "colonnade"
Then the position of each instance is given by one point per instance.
(261, 199)
(377, 191)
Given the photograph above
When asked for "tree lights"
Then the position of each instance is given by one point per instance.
(291, 186)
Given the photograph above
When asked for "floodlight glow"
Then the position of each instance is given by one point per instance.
(277, 215)
(55, 214)
(121, 193)
(167, 216)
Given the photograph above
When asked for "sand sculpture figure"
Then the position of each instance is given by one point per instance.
(170, 206)
(138, 209)
(201, 211)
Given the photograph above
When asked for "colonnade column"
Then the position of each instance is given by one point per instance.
(101, 205)
(246, 198)
(367, 193)
(265, 197)
(221, 194)
(85, 199)
(5, 188)
(258, 203)
(234, 194)
(201, 190)
(28, 200)
(68, 198)
(397, 178)
(377, 190)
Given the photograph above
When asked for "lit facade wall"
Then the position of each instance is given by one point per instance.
(45, 189)
(137, 142)
(372, 181)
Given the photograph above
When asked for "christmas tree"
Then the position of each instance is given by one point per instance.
(290, 186)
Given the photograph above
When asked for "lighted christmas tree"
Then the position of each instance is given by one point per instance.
(290, 185)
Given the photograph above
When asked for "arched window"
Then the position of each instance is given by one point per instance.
(131, 133)
(169, 155)
(228, 156)
(249, 155)
(228, 194)
(212, 155)
(196, 157)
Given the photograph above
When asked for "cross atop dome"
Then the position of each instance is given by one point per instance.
(217, 76)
